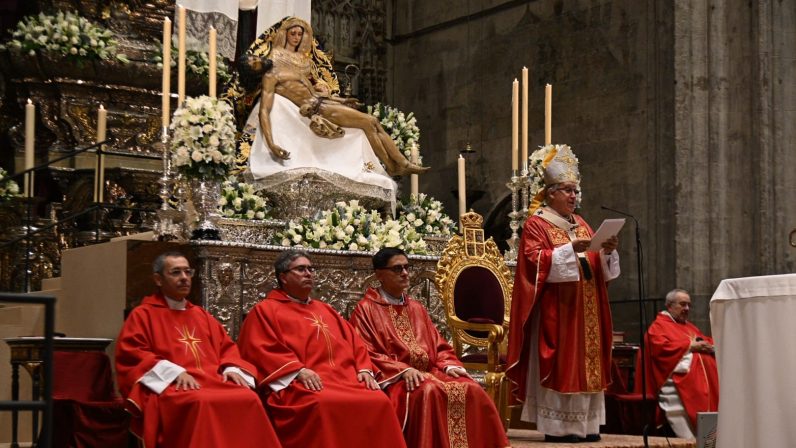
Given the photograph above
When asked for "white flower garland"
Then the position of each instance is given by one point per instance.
(425, 214)
(8, 187)
(203, 138)
(239, 200)
(196, 62)
(401, 127)
(349, 226)
(65, 33)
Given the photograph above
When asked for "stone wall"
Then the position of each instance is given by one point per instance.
(681, 113)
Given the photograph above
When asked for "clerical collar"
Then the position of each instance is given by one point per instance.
(391, 299)
(178, 305)
(297, 300)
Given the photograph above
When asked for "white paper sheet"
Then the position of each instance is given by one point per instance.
(608, 228)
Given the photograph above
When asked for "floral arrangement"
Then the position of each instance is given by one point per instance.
(349, 226)
(239, 200)
(425, 215)
(203, 138)
(401, 127)
(8, 188)
(65, 33)
(196, 62)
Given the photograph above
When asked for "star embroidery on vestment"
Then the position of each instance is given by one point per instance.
(191, 343)
(317, 322)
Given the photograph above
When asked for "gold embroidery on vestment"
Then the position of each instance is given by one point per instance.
(457, 421)
(418, 358)
(557, 236)
(591, 330)
(317, 321)
(191, 343)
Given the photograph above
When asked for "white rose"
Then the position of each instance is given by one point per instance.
(196, 155)
(353, 246)
(418, 222)
(250, 214)
(285, 242)
(297, 239)
(259, 215)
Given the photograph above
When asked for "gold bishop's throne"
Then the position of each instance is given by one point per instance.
(475, 285)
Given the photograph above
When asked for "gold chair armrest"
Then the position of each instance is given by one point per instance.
(496, 335)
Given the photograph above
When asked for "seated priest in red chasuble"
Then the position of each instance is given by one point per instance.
(317, 380)
(680, 366)
(437, 402)
(182, 376)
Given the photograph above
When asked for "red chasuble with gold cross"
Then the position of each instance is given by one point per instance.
(281, 336)
(575, 330)
(219, 413)
(444, 411)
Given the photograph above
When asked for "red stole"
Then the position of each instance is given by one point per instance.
(667, 342)
(442, 412)
(281, 336)
(575, 317)
(216, 414)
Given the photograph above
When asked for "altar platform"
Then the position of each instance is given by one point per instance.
(525, 438)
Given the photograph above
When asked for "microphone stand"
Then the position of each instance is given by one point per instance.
(642, 321)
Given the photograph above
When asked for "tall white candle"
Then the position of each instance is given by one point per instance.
(166, 100)
(181, 55)
(30, 140)
(515, 122)
(212, 70)
(99, 176)
(462, 188)
(524, 118)
(548, 114)
(414, 179)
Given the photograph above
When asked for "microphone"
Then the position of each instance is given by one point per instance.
(641, 319)
(620, 213)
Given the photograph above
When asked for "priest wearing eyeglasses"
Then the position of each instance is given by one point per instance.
(182, 376)
(316, 379)
(434, 397)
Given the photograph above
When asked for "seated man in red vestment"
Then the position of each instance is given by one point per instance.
(560, 336)
(432, 393)
(317, 380)
(184, 380)
(680, 366)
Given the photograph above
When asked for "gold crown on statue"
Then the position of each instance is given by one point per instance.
(472, 219)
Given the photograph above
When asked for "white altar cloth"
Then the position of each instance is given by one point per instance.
(753, 325)
(348, 161)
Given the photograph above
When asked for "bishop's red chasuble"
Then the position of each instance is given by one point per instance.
(667, 342)
(442, 412)
(575, 330)
(281, 336)
(219, 413)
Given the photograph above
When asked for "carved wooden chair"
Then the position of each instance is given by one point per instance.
(475, 286)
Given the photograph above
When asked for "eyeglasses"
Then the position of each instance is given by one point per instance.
(398, 268)
(569, 190)
(303, 269)
(179, 272)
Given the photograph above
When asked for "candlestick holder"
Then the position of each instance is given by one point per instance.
(167, 227)
(519, 210)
